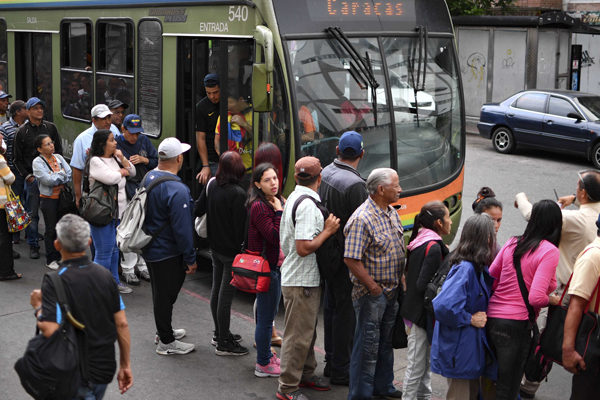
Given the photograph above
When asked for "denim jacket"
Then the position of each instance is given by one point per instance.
(47, 178)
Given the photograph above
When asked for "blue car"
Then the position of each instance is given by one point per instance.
(557, 120)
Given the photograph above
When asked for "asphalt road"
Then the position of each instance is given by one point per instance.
(202, 374)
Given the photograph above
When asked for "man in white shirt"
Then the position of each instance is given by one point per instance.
(301, 280)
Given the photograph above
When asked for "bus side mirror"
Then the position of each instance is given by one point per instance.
(262, 73)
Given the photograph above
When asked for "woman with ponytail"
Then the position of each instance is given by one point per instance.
(535, 254)
(426, 251)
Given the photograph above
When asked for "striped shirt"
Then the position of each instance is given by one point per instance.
(7, 179)
(8, 130)
(375, 237)
(296, 270)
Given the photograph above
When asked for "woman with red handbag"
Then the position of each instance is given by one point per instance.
(266, 206)
(7, 265)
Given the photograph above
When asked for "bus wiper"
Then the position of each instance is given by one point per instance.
(418, 81)
(363, 66)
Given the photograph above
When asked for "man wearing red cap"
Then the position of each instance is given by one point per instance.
(300, 281)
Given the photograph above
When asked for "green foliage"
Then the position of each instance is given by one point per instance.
(476, 7)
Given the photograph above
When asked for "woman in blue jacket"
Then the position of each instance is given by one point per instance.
(460, 350)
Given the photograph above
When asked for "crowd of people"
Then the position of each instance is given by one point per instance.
(476, 332)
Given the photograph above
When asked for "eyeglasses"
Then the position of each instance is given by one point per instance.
(49, 143)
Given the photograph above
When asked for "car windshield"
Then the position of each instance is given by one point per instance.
(334, 96)
(591, 106)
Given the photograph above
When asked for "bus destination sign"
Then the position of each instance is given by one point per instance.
(331, 10)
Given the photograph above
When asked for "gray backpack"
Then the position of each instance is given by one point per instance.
(130, 234)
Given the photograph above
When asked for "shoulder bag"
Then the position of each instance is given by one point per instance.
(587, 340)
(98, 204)
(55, 367)
(250, 272)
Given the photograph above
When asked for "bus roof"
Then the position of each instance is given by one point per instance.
(25, 4)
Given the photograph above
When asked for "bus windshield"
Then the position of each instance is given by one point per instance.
(421, 127)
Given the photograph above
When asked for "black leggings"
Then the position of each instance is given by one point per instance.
(510, 341)
(221, 295)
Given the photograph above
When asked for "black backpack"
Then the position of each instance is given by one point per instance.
(52, 368)
(329, 255)
(435, 284)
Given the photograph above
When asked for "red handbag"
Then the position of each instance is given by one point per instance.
(250, 273)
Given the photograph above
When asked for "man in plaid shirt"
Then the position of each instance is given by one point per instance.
(375, 255)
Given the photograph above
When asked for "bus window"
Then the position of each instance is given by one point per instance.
(274, 127)
(114, 72)
(76, 69)
(150, 76)
(3, 57)
(33, 68)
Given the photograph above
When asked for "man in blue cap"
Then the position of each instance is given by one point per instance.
(3, 106)
(24, 153)
(140, 152)
(342, 191)
(207, 113)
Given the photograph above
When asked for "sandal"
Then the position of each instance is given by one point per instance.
(11, 277)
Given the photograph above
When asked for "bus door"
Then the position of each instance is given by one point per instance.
(33, 68)
(232, 61)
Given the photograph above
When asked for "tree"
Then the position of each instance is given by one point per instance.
(477, 7)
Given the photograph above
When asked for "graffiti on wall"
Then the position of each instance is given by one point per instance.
(508, 61)
(476, 63)
(586, 59)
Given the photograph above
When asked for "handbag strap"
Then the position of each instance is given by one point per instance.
(566, 289)
(525, 293)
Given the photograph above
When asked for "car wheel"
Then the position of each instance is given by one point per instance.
(503, 140)
(596, 155)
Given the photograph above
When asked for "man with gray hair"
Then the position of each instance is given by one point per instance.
(375, 254)
(96, 303)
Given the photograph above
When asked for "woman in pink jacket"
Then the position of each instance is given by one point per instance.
(535, 253)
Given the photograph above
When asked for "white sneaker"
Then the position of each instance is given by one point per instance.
(124, 289)
(175, 347)
(53, 265)
(177, 334)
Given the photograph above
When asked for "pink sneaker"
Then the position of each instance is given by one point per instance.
(275, 360)
(269, 370)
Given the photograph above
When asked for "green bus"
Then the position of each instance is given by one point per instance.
(310, 69)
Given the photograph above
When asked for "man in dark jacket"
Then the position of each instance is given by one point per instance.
(170, 255)
(24, 153)
(342, 190)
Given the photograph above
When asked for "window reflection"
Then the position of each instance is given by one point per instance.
(331, 101)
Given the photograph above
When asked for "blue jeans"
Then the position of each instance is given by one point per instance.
(372, 361)
(267, 304)
(105, 243)
(91, 391)
(32, 205)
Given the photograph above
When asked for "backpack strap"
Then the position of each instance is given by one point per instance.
(429, 245)
(300, 199)
(149, 188)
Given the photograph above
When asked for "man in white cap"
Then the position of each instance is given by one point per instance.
(101, 119)
(170, 254)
